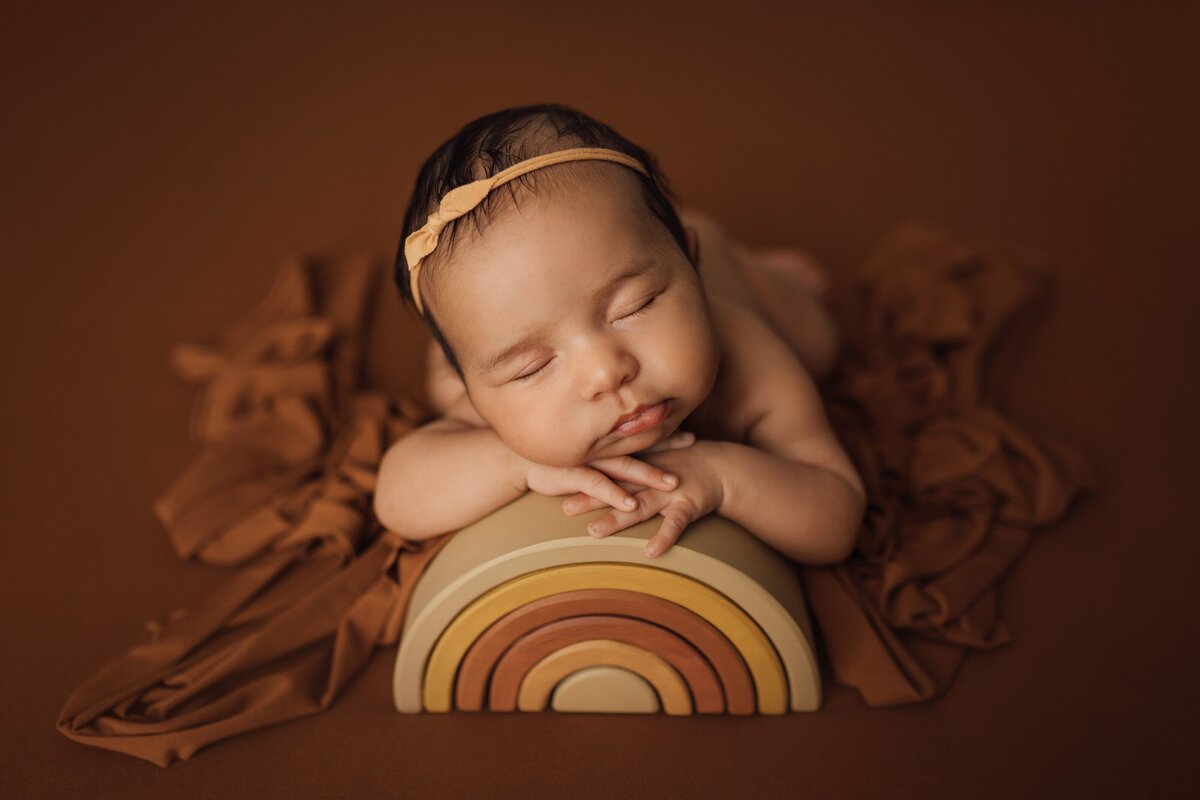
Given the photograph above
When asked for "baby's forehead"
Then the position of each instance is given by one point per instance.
(572, 243)
(579, 182)
(552, 249)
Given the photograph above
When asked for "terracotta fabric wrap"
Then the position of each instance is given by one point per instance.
(281, 488)
(955, 490)
(291, 440)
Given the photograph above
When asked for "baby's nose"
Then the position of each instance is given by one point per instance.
(607, 369)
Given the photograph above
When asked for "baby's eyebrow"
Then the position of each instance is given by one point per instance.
(504, 355)
(640, 267)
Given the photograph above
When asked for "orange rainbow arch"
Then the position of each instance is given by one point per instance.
(524, 611)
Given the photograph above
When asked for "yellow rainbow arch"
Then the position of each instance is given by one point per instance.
(525, 588)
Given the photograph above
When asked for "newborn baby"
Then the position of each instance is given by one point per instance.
(584, 348)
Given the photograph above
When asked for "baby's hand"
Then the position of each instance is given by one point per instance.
(594, 480)
(699, 492)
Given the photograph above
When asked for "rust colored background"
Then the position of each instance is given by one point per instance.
(161, 160)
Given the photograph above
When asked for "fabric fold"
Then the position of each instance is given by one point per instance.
(282, 489)
(955, 489)
(290, 442)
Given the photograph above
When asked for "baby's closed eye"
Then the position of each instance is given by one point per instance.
(526, 376)
(644, 307)
(529, 374)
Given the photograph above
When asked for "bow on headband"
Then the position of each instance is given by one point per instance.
(461, 199)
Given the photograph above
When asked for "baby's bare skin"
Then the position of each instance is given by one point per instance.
(728, 370)
(780, 289)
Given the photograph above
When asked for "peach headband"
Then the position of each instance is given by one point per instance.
(461, 199)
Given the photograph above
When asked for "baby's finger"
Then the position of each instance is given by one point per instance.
(582, 503)
(595, 483)
(636, 470)
(675, 519)
(650, 503)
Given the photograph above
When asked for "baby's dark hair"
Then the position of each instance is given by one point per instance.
(495, 142)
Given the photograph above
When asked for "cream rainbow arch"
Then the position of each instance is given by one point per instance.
(524, 611)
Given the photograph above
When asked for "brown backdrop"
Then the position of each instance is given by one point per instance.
(161, 161)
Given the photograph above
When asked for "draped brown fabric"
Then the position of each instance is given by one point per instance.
(291, 440)
(955, 489)
(282, 487)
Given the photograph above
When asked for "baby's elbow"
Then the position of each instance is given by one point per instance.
(392, 515)
(846, 543)
(384, 506)
(840, 547)
(828, 554)
(383, 511)
(844, 548)
(388, 504)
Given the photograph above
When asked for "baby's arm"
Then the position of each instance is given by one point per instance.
(792, 484)
(457, 470)
(446, 474)
(449, 472)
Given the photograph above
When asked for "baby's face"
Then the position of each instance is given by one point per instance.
(569, 313)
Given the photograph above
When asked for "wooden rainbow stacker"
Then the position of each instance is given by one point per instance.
(524, 610)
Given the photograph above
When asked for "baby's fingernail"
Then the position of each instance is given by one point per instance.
(629, 503)
(591, 529)
(670, 479)
(651, 552)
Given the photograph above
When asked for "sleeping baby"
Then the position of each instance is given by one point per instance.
(591, 342)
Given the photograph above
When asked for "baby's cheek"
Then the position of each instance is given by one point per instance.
(522, 427)
(695, 356)
(547, 443)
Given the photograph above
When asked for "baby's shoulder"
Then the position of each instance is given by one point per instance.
(755, 363)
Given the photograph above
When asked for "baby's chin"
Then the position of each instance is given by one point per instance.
(553, 454)
(590, 451)
(635, 444)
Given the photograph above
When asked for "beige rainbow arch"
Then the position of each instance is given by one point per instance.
(524, 611)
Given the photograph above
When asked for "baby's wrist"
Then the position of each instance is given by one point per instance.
(723, 471)
(516, 467)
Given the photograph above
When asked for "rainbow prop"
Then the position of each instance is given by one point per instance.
(524, 611)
